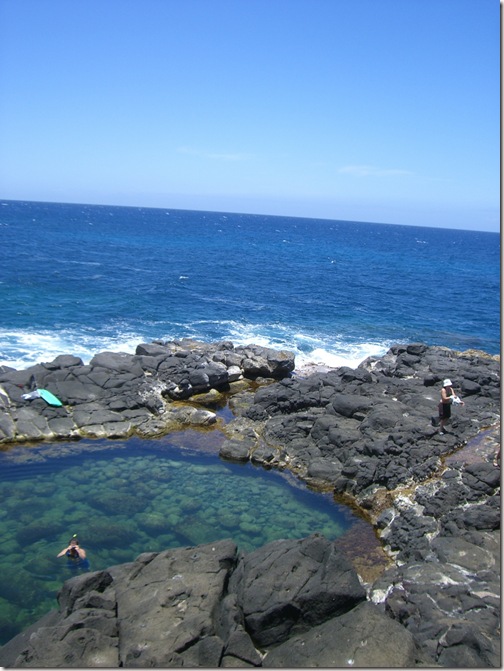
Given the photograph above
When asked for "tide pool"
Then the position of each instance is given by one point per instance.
(127, 497)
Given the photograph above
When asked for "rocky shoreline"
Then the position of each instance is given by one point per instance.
(365, 434)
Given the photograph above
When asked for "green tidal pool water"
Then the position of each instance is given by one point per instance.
(125, 498)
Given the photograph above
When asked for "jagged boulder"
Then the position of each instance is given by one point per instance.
(118, 394)
(362, 637)
(367, 435)
(290, 586)
(204, 606)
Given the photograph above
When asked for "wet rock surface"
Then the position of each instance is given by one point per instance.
(369, 436)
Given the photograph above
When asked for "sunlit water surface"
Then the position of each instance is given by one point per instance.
(125, 498)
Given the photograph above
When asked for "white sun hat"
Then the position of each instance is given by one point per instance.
(447, 382)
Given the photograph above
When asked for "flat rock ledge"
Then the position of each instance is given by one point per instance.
(366, 434)
(118, 395)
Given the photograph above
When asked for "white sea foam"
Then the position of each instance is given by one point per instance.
(21, 349)
(310, 350)
(350, 356)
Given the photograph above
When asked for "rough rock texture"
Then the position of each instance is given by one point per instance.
(370, 436)
(369, 428)
(207, 606)
(362, 637)
(281, 588)
(117, 394)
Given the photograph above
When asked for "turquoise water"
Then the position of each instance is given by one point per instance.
(125, 498)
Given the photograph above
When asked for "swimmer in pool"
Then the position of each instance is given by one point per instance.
(73, 551)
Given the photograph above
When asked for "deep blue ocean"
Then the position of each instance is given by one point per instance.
(81, 279)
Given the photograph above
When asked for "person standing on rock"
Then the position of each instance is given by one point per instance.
(448, 396)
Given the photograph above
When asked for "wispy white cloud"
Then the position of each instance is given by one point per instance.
(218, 156)
(372, 171)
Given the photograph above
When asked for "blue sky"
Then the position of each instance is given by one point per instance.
(369, 110)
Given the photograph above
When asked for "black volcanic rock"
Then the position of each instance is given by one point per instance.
(118, 394)
(206, 606)
(290, 586)
(367, 435)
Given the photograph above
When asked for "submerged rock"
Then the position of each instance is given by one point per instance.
(207, 606)
(365, 434)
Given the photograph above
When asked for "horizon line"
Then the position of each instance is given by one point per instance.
(252, 214)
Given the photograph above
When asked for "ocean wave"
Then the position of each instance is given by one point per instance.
(24, 348)
(244, 285)
(350, 356)
(21, 349)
